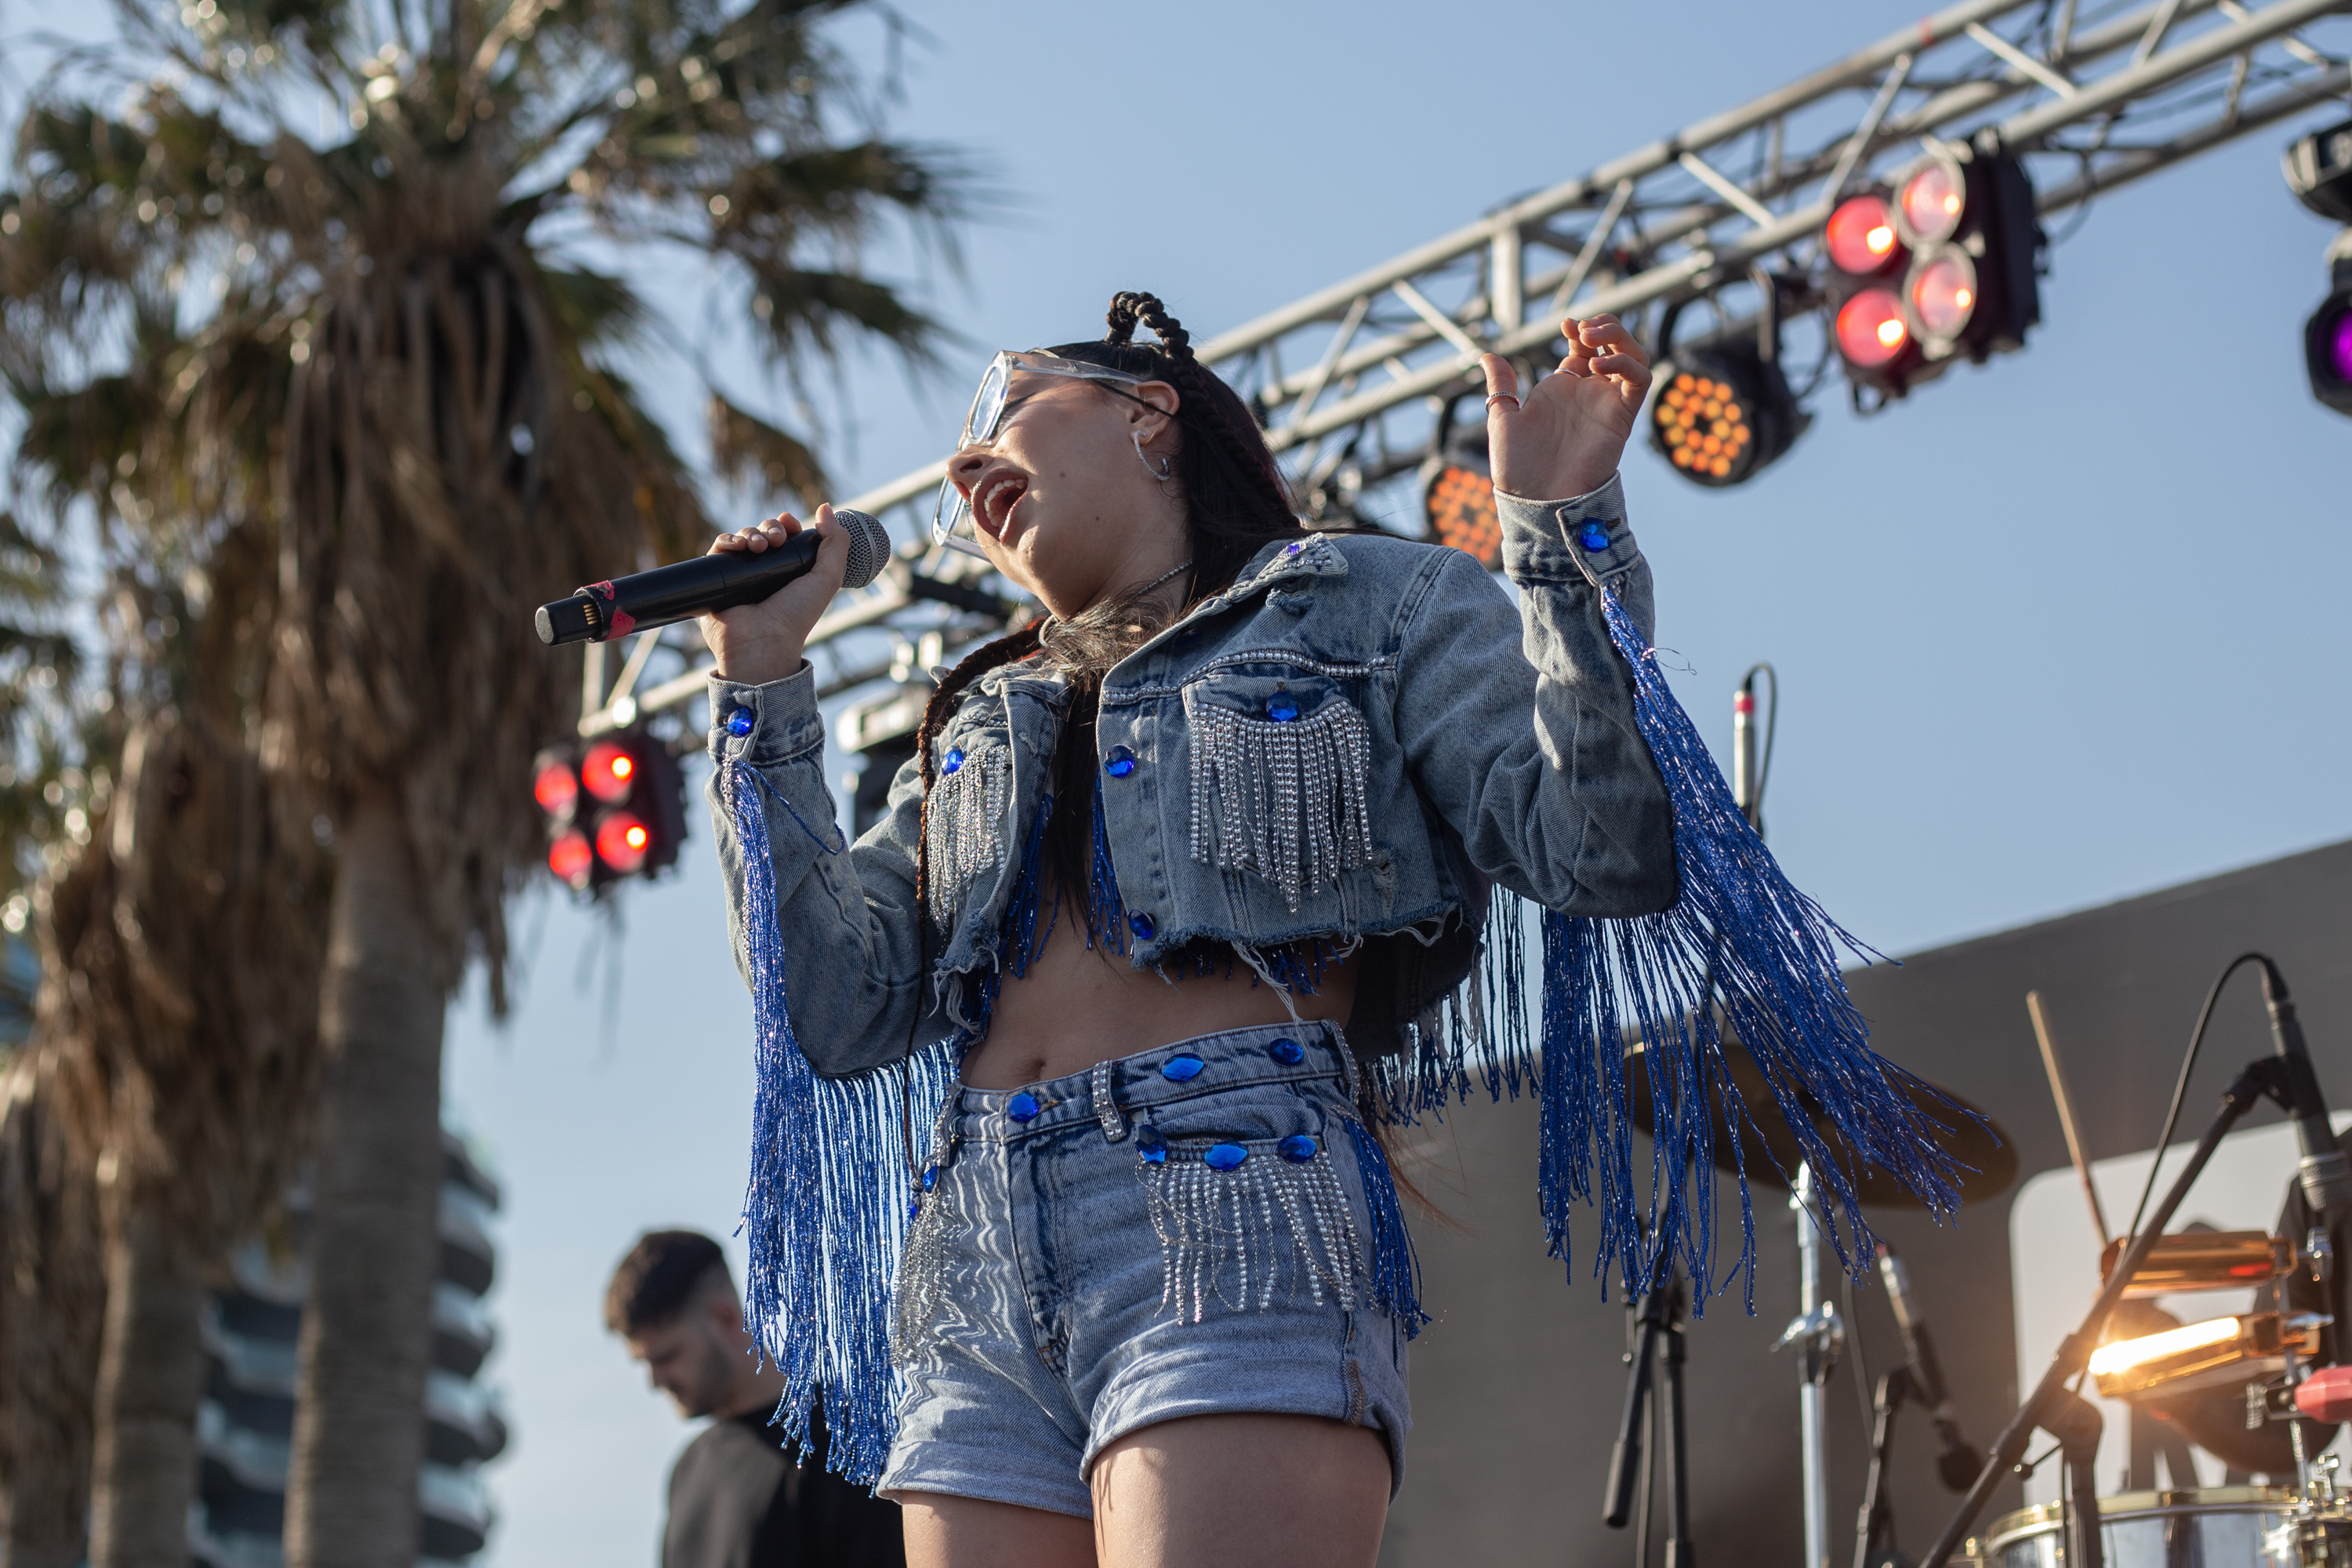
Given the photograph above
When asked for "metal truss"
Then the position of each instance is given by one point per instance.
(1353, 383)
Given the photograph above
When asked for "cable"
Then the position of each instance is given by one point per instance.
(2180, 1087)
(1865, 1388)
(1772, 727)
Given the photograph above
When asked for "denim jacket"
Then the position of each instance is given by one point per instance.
(1350, 745)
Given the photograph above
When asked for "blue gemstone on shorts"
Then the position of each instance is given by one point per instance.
(1286, 1051)
(1224, 1156)
(1023, 1108)
(954, 760)
(740, 720)
(1593, 536)
(931, 1177)
(1297, 1148)
(914, 1209)
(1181, 1069)
(1150, 1145)
(1142, 925)
(1282, 708)
(1119, 764)
(1294, 548)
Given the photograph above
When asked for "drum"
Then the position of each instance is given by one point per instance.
(2215, 1527)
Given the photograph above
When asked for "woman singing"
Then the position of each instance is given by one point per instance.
(1068, 1195)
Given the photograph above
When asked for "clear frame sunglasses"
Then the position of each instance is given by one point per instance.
(951, 520)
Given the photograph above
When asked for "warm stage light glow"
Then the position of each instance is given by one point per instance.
(570, 859)
(1702, 426)
(556, 788)
(2340, 346)
(1460, 506)
(1871, 329)
(1931, 202)
(1943, 297)
(608, 771)
(1861, 236)
(621, 841)
(2197, 1355)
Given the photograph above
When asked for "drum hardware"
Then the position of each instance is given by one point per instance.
(2207, 1260)
(2047, 1406)
(2218, 1527)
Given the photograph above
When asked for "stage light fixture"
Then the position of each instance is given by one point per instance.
(1963, 269)
(1458, 497)
(614, 808)
(2328, 335)
(1861, 236)
(2198, 1355)
(572, 860)
(2203, 1260)
(1722, 410)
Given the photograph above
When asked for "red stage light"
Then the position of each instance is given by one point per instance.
(609, 771)
(556, 788)
(621, 841)
(1861, 236)
(1934, 196)
(1943, 298)
(1871, 331)
(570, 859)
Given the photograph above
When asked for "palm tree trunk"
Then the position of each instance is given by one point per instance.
(366, 1330)
(150, 1377)
(51, 1293)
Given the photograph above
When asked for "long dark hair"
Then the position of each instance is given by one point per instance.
(1235, 503)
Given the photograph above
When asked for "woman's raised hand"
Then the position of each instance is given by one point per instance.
(756, 644)
(1565, 436)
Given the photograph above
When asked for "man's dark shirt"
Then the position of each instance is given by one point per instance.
(737, 1501)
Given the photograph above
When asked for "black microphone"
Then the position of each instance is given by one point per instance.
(2326, 1176)
(1957, 1462)
(684, 589)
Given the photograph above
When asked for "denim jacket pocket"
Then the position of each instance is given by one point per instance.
(1280, 768)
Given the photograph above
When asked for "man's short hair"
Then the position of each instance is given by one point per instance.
(662, 1274)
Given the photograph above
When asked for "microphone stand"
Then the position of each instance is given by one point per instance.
(1657, 1341)
(1874, 1534)
(2051, 1406)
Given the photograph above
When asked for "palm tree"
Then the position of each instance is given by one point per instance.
(401, 313)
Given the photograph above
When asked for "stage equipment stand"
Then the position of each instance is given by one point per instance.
(1657, 1343)
(1874, 1535)
(1819, 1334)
(2051, 1406)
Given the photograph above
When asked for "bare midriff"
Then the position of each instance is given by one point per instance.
(1078, 1006)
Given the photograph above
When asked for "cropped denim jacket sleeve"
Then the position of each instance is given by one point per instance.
(1354, 741)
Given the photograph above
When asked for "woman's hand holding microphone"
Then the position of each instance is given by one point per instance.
(756, 644)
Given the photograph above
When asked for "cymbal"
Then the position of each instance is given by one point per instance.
(1988, 1159)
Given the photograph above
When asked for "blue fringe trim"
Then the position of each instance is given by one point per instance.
(825, 1212)
(1106, 912)
(1742, 932)
(1396, 1270)
(1019, 939)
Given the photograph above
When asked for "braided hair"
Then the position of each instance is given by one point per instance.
(1236, 502)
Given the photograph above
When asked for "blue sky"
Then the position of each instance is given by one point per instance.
(2057, 630)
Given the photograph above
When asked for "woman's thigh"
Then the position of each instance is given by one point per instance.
(945, 1532)
(1240, 1492)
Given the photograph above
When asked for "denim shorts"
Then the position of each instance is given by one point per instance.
(1183, 1232)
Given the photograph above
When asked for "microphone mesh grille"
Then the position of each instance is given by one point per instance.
(869, 547)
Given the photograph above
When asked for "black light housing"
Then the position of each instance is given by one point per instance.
(1722, 411)
(614, 806)
(2328, 335)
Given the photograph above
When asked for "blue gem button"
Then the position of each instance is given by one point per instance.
(1297, 1148)
(1119, 764)
(1282, 707)
(1023, 1108)
(1181, 1069)
(1142, 925)
(1286, 1051)
(1224, 1156)
(1293, 547)
(1151, 1146)
(740, 720)
(1593, 536)
(931, 1177)
(914, 1209)
(954, 759)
